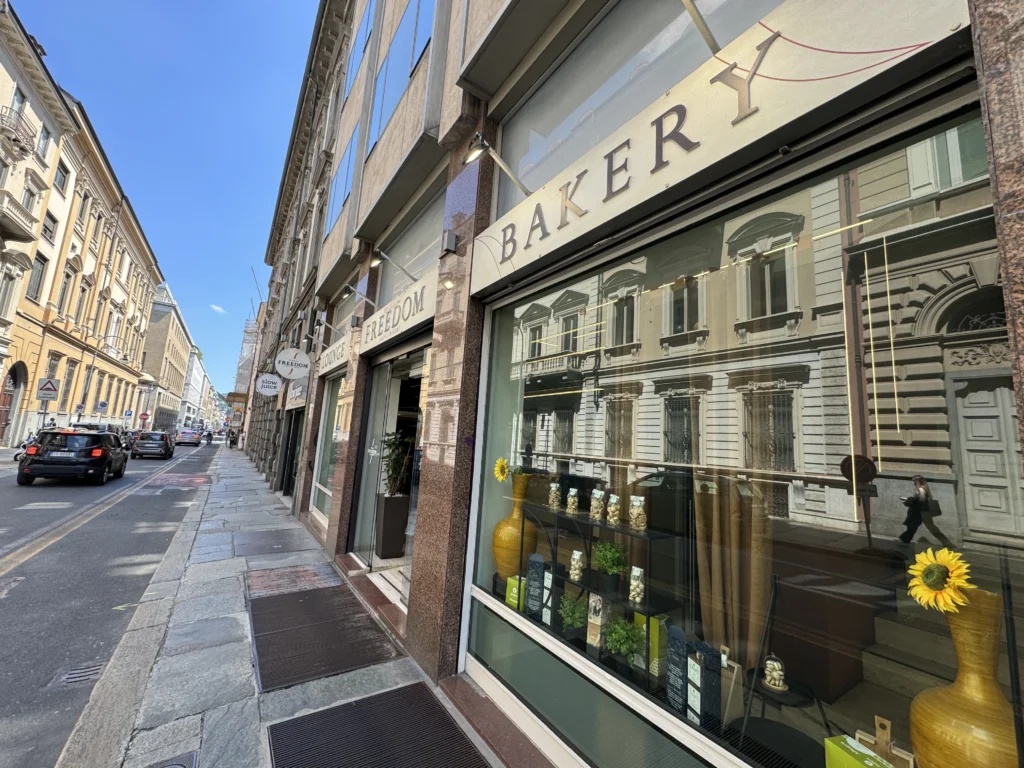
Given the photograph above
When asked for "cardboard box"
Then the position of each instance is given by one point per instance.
(659, 643)
(515, 592)
(845, 752)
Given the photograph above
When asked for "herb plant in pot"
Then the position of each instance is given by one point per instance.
(393, 504)
(622, 640)
(609, 561)
(573, 610)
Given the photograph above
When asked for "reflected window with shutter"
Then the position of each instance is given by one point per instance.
(618, 429)
(682, 429)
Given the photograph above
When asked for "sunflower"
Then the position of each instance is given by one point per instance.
(501, 470)
(938, 580)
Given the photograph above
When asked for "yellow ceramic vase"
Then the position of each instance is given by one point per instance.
(968, 723)
(514, 539)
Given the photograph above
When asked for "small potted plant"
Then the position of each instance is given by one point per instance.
(573, 610)
(609, 560)
(393, 504)
(622, 640)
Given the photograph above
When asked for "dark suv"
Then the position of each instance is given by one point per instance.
(153, 444)
(65, 453)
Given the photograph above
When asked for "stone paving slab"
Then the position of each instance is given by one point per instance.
(206, 633)
(207, 607)
(231, 736)
(165, 741)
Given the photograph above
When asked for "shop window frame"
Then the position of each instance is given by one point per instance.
(894, 123)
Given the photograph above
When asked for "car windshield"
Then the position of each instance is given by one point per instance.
(157, 436)
(69, 441)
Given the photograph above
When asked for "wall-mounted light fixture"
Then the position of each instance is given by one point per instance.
(478, 147)
(376, 261)
(348, 290)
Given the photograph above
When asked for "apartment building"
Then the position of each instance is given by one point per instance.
(194, 398)
(77, 307)
(727, 286)
(166, 354)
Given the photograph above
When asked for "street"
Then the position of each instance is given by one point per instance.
(75, 560)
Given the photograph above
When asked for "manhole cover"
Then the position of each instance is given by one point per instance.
(84, 673)
(189, 760)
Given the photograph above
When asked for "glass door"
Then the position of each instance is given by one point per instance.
(389, 483)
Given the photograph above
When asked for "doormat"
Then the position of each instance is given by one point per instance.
(292, 578)
(303, 636)
(405, 727)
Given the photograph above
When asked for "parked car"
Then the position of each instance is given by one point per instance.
(188, 437)
(157, 444)
(94, 455)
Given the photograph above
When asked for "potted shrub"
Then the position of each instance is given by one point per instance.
(573, 610)
(622, 640)
(609, 560)
(393, 504)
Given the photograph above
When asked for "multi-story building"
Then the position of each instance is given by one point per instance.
(730, 288)
(165, 357)
(80, 312)
(191, 412)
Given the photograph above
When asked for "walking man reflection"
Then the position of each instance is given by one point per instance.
(921, 509)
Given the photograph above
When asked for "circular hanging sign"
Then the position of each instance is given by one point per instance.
(292, 363)
(268, 384)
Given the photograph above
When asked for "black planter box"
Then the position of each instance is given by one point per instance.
(392, 517)
(576, 637)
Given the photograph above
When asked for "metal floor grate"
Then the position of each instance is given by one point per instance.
(402, 728)
(84, 673)
(303, 636)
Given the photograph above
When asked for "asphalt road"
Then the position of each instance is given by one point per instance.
(67, 593)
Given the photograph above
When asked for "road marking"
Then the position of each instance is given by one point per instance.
(40, 540)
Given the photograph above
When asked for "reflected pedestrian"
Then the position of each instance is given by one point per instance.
(921, 509)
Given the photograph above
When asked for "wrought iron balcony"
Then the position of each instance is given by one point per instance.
(17, 129)
(561, 362)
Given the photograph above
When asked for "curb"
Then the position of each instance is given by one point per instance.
(101, 735)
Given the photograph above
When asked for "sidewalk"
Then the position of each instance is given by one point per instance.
(182, 680)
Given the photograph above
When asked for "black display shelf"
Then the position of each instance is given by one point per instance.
(656, 602)
(583, 520)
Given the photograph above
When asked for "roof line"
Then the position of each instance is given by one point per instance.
(42, 64)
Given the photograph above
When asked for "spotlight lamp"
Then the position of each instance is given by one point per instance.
(478, 147)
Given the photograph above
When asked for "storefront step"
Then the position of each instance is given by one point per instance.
(902, 672)
(925, 639)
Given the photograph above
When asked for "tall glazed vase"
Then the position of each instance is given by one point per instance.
(514, 539)
(967, 723)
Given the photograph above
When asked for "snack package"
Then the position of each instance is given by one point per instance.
(597, 505)
(637, 513)
(636, 585)
(572, 503)
(614, 509)
(554, 497)
(576, 566)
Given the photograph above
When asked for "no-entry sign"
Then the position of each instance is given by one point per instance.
(143, 417)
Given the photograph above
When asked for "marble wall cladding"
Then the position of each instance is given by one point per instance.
(435, 600)
(997, 27)
(347, 463)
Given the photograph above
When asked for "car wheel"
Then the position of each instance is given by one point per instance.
(120, 472)
(25, 480)
(101, 478)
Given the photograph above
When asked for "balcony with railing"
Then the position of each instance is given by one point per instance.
(562, 362)
(17, 130)
(16, 223)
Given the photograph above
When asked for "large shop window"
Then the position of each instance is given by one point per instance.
(638, 51)
(415, 250)
(684, 512)
(360, 39)
(404, 52)
(334, 427)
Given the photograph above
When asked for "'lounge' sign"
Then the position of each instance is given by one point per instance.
(804, 54)
(410, 308)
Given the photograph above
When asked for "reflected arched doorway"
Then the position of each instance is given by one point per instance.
(11, 391)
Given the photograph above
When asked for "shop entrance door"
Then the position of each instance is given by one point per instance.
(6, 399)
(296, 421)
(990, 455)
(390, 474)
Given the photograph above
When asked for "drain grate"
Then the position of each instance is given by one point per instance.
(362, 734)
(85, 673)
(188, 760)
(302, 636)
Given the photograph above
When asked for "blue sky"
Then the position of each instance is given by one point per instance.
(193, 101)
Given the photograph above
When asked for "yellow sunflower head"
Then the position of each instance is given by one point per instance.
(939, 580)
(501, 470)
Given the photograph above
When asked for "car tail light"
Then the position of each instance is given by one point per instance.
(163, 438)
(96, 452)
(32, 450)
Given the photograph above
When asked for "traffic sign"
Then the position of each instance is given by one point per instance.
(143, 417)
(101, 406)
(127, 414)
(47, 389)
(80, 408)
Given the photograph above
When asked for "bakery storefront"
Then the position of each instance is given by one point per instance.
(748, 481)
(335, 419)
(396, 342)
